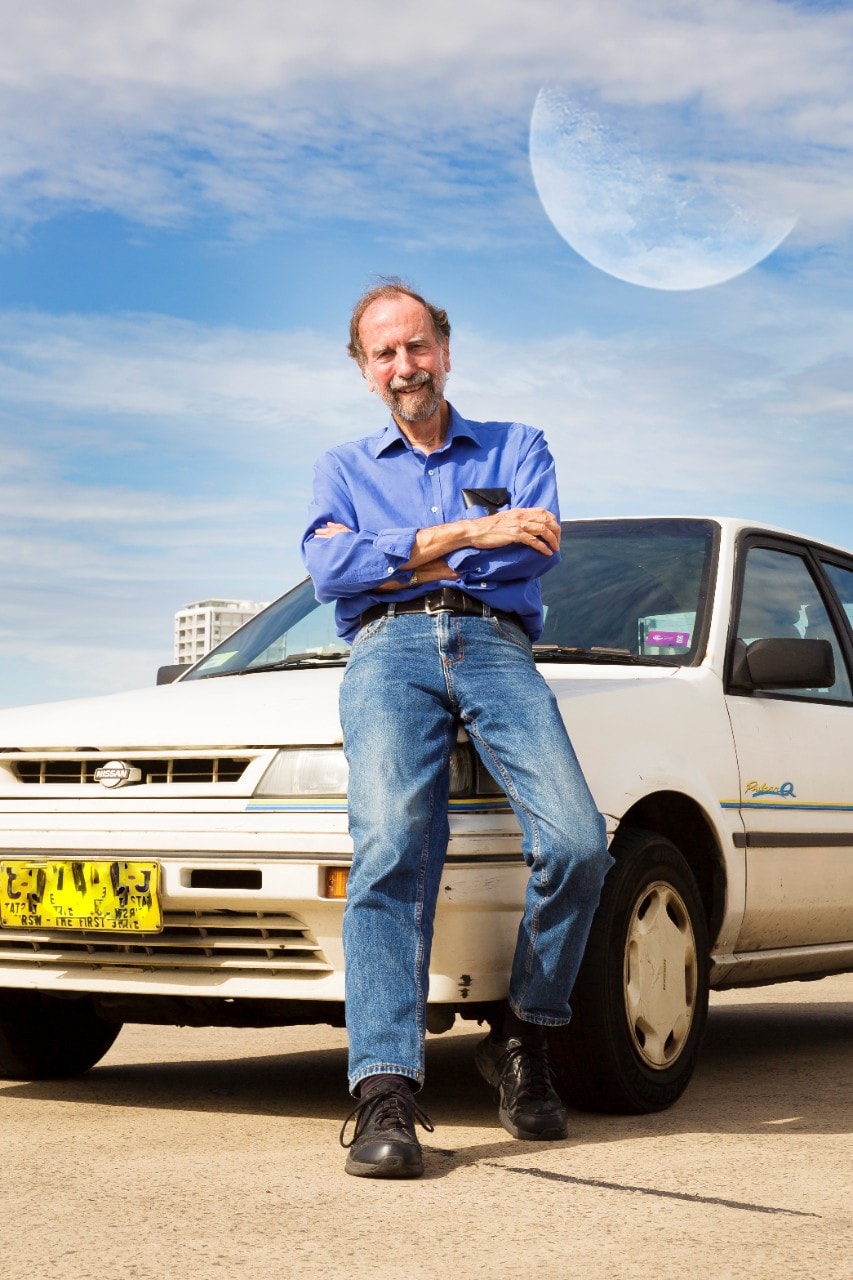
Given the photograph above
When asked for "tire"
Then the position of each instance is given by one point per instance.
(48, 1037)
(640, 1002)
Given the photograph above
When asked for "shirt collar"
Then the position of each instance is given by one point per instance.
(457, 428)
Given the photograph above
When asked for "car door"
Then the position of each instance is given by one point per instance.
(794, 750)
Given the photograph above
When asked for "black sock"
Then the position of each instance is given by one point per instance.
(369, 1083)
(511, 1027)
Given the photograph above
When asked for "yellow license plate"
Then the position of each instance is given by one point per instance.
(106, 897)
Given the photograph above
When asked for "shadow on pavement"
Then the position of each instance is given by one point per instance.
(782, 1065)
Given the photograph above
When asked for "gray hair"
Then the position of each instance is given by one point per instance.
(391, 287)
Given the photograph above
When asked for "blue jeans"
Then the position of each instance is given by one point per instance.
(409, 682)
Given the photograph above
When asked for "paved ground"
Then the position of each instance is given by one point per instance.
(214, 1154)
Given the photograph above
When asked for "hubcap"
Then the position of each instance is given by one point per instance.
(660, 975)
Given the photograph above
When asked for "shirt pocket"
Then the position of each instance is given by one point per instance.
(481, 502)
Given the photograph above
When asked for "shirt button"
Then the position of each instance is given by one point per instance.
(431, 471)
(389, 571)
(433, 509)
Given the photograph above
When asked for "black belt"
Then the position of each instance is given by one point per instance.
(446, 600)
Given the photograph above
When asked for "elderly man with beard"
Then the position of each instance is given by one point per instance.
(439, 595)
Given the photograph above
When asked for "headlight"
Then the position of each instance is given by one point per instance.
(322, 771)
(306, 771)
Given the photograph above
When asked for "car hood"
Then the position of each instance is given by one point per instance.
(266, 709)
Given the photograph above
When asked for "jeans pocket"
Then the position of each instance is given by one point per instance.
(370, 630)
(514, 634)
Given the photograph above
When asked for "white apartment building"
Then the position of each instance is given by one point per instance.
(199, 627)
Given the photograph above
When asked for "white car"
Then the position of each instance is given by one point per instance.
(180, 854)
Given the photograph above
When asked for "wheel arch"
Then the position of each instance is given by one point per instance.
(681, 820)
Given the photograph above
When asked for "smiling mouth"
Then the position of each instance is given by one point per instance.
(413, 399)
(407, 388)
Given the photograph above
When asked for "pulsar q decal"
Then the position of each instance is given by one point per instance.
(785, 791)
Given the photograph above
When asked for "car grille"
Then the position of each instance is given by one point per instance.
(276, 943)
(80, 769)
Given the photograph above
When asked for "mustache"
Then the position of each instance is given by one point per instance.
(405, 384)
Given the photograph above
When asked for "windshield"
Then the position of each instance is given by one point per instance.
(632, 590)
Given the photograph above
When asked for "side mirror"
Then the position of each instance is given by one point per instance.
(778, 662)
(166, 675)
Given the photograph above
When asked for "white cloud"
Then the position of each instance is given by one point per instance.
(151, 462)
(219, 384)
(270, 113)
(187, 48)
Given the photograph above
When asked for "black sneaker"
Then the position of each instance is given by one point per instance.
(529, 1105)
(384, 1143)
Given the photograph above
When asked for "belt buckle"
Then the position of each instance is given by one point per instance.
(440, 607)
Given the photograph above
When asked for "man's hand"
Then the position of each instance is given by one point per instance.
(533, 526)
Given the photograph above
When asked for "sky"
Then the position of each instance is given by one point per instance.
(193, 194)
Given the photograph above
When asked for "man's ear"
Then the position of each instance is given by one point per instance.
(446, 357)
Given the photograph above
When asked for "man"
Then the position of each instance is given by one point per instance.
(439, 595)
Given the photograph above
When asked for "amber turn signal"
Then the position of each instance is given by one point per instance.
(335, 882)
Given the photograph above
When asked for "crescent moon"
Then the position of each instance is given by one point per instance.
(660, 221)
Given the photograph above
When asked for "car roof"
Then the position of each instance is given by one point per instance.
(731, 526)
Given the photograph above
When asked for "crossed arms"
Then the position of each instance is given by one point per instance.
(533, 527)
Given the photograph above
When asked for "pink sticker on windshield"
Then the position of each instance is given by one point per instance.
(674, 639)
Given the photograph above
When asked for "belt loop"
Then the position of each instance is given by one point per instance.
(391, 610)
(487, 613)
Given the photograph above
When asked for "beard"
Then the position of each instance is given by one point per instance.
(420, 406)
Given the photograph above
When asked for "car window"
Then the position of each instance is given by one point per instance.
(633, 585)
(780, 598)
(842, 580)
(294, 624)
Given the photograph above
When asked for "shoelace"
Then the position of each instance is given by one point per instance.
(535, 1076)
(388, 1109)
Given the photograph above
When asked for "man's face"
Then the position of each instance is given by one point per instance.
(405, 363)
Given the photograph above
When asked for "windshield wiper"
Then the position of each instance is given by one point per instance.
(308, 659)
(597, 653)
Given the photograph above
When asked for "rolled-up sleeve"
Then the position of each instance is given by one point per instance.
(348, 564)
(535, 486)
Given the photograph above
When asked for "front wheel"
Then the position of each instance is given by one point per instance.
(48, 1037)
(641, 999)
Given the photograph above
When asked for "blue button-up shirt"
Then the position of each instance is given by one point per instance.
(385, 491)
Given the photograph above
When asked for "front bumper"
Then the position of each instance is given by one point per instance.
(245, 910)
